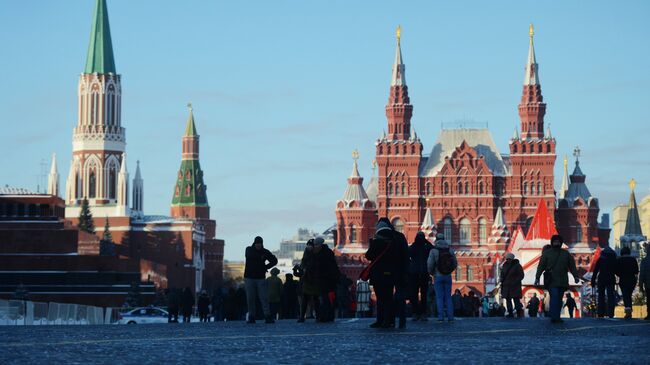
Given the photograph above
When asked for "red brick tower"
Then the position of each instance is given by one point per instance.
(398, 157)
(532, 154)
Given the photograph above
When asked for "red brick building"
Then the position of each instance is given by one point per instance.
(465, 188)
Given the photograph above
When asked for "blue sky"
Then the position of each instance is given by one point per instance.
(283, 91)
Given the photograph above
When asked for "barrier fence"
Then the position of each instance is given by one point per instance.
(27, 313)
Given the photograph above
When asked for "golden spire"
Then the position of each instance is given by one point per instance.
(355, 155)
(399, 33)
(566, 161)
(531, 32)
(632, 184)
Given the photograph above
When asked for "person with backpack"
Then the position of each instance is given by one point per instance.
(511, 276)
(556, 263)
(627, 269)
(387, 266)
(441, 263)
(419, 276)
(604, 279)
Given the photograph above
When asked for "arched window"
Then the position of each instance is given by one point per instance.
(465, 231)
(470, 273)
(353, 234)
(539, 188)
(188, 189)
(459, 275)
(177, 192)
(482, 231)
(403, 188)
(460, 187)
(445, 188)
(447, 229)
(428, 188)
(481, 188)
(188, 175)
(112, 177)
(398, 224)
(92, 184)
(525, 188)
(466, 187)
(578, 234)
(390, 189)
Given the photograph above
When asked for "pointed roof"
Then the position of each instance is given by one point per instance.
(499, 221)
(123, 165)
(100, 51)
(543, 225)
(137, 172)
(53, 169)
(190, 130)
(428, 222)
(565, 178)
(531, 76)
(633, 223)
(399, 69)
(515, 134)
(355, 190)
(372, 189)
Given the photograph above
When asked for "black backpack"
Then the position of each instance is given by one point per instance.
(445, 264)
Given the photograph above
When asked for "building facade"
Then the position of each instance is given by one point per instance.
(465, 188)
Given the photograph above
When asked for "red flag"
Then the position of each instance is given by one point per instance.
(594, 259)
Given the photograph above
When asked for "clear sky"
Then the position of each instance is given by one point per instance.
(283, 91)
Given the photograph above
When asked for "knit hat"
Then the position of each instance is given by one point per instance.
(510, 256)
(257, 240)
(275, 271)
(382, 225)
(310, 242)
(319, 241)
(557, 237)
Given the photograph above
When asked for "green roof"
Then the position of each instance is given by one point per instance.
(189, 188)
(190, 130)
(100, 51)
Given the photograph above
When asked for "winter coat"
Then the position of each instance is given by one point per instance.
(561, 262)
(457, 301)
(290, 292)
(626, 269)
(570, 303)
(511, 276)
(605, 269)
(326, 270)
(389, 269)
(307, 273)
(418, 255)
(187, 302)
(256, 262)
(203, 305)
(274, 284)
(434, 254)
(644, 272)
(533, 305)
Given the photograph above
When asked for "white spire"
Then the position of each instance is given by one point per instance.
(565, 179)
(71, 184)
(531, 76)
(515, 135)
(499, 221)
(548, 132)
(122, 187)
(53, 178)
(398, 78)
(137, 198)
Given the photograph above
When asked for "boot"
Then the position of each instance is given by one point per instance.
(628, 313)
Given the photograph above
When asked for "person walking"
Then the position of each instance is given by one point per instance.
(306, 271)
(258, 261)
(203, 306)
(511, 276)
(644, 279)
(485, 307)
(386, 266)
(457, 301)
(173, 305)
(290, 297)
(556, 263)
(217, 302)
(419, 277)
(441, 263)
(604, 279)
(533, 306)
(627, 269)
(570, 304)
(274, 285)
(187, 304)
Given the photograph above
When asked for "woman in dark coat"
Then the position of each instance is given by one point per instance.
(187, 304)
(627, 269)
(511, 276)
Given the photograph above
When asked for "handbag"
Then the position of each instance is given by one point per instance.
(548, 274)
(365, 273)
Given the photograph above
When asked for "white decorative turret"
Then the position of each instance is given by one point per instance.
(53, 178)
(123, 188)
(565, 179)
(138, 193)
(500, 233)
(428, 224)
(515, 135)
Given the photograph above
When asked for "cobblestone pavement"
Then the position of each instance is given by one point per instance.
(466, 341)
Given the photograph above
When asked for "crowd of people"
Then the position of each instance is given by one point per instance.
(419, 273)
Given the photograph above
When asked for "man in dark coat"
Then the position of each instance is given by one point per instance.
(511, 276)
(187, 304)
(457, 300)
(290, 297)
(604, 279)
(258, 261)
(570, 304)
(173, 305)
(388, 266)
(419, 277)
(203, 306)
(327, 276)
(533, 306)
(627, 269)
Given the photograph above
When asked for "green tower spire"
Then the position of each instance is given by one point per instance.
(100, 51)
(190, 130)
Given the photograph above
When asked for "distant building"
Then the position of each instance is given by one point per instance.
(291, 250)
(632, 223)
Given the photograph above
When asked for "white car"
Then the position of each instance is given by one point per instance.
(143, 315)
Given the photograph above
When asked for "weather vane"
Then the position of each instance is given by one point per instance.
(577, 153)
(189, 105)
(355, 154)
(399, 33)
(632, 184)
(531, 32)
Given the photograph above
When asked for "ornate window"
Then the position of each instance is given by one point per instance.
(482, 231)
(92, 184)
(403, 188)
(188, 175)
(353, 234)
(398, 224)
(428, 188)
(539, 188)
(460, 188)
(465, 231)
(188, 189)
(578, 233)
(178, 190)
(525, 188)
(481, 188)
(390, 189)
(470, 273)
(459, 275)
(112, 176)
(447, 229)
(445, 188)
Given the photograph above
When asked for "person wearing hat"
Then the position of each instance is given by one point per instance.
(511, 276)
(274, 284)
(441, 263)
(258, 261)
(604, 278)
(327, 275)
(556, 263)
(419, 276)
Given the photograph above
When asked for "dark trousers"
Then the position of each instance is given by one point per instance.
(385, 311)
(627, 295)
(556, 295)
(172, 316)
(420, 286)
(203, 317)
(517, 305)
(305, 302)
(326, 308)
(571, 311)
(187, 317)
(606, 300)
(400, 303)
(274, 309)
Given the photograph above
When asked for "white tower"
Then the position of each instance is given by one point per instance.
(53, 178)
(138, 193)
